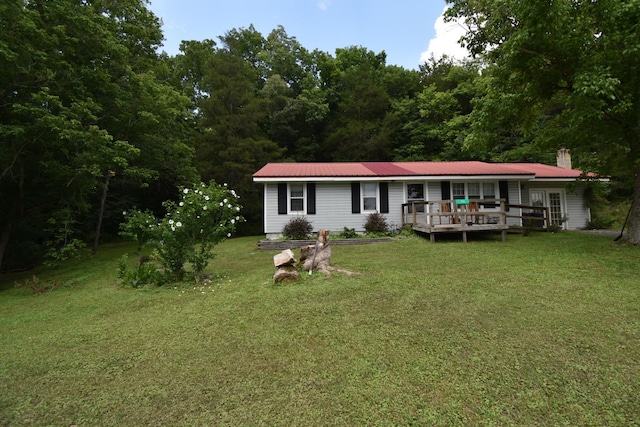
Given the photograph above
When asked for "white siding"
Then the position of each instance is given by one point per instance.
(333, 205)
(514, 198)
(434, 191)
(333, 208)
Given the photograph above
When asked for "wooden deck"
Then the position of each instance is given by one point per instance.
(457, 216)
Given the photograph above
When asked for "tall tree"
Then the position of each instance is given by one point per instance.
(232, 145)
(360, 105)
(567, 73)
(68, 121)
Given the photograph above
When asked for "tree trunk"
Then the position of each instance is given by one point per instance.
(4, 239)
(103, 200)
(633, 225)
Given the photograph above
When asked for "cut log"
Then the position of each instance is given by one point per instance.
(285, 257)
(286, 274)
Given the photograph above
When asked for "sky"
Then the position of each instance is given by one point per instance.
(408, 31)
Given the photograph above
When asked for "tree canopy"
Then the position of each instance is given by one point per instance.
(95, 120)
(563, 73)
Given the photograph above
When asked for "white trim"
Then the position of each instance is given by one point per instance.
(563, 202)
(304, 200)
(362, 209)
(265, 213)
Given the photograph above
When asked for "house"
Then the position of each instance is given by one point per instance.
(431, 196)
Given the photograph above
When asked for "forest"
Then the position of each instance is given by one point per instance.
(95, 119)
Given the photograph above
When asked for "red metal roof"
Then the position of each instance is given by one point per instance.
(408, 169)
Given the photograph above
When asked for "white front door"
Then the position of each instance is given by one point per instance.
(552, 199)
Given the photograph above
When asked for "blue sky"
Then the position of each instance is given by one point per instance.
(407, 30)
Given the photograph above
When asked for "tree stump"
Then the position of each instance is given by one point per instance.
(285, 269)
(318, 256)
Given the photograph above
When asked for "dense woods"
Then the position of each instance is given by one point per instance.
(95, 119)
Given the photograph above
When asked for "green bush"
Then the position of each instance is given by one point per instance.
(298, 228)
(145, 273)
(347, 233)
(376, 223)
(204, 216)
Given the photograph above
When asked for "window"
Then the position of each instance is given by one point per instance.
(370, 196)
(296, 197)
(488, 190)
(474, 190)
(415, 193)
(457, 190)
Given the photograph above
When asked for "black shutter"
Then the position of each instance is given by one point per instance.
(446, 190)
(355, 197)
(504, 191)
(384, 197)
(311, 198)
(282, 199)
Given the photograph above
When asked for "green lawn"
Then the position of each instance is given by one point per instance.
(540, 330)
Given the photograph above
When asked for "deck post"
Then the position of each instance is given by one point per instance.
(504, 235)
(464, 236)
(415, 214)
(432, 237)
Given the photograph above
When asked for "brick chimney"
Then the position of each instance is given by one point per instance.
(564, 158)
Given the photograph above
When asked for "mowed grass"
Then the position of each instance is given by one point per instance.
(540, 330)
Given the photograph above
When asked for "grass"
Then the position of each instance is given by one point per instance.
(540, 330)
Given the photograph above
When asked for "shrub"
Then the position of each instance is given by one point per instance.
(145, 273)
(376, 223)
(204, 217)
(347, 233)
(298, 228)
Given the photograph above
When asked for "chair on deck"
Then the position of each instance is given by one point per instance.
(474, 214)
(446, 211)
(445, 208)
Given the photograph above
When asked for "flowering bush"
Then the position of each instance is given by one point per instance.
(204, 216)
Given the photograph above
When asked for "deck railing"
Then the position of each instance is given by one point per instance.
(455, 212)
(534, 217)
(473, 211)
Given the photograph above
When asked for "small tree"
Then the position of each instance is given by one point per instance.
(204, 217)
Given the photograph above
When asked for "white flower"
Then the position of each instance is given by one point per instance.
(173, 228)
(185, 191)
(181, 204)
(225, 184)
(221, 204)
(170, 222)
(228, 234)
(204, 208)
(237, 218)
(124, 212)
(206, 198)
(229, 206)
(225, 201)
(238, 208)
(178, 224)
(233, 221)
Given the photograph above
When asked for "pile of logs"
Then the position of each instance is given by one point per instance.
(285, 267)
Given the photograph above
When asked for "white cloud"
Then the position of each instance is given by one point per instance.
(324, 5)
(445, 41)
